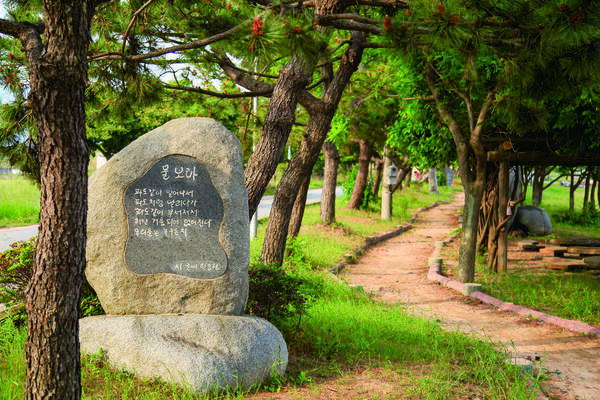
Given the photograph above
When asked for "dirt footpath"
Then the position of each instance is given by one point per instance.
(396, 271)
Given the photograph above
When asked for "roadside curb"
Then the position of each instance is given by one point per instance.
(471, 290)
(371, 241)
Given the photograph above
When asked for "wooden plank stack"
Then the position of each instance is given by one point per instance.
(567, 254)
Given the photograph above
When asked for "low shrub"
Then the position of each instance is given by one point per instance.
(274, 294)
(589, 216)
(16, 268)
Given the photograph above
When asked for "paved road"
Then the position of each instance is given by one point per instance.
(313, 196)
(11, 235)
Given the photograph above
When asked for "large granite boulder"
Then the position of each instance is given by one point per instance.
(168, 223)
(204, 352)
(533, 220)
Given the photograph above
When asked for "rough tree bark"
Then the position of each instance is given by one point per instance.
(573, 187)
(332, 161)
(537, 187)
(593, 189)
(401, 180)
(362, 174)
(378, 177)
(277, 126)
(586, 195)
(321, 113)
(598, 180)
(298, 209)
(404, 169)
(488, 217)
(408, 177)
(57, 67)
(501, 230)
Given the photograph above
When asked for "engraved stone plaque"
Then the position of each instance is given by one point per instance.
(174, 214)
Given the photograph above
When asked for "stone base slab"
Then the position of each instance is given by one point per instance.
(204, 352)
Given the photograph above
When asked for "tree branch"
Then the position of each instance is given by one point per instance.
(395, 96)
(264, 92)
(244, 78)
(132, 22)
(354, 26)
(18, 29)
(553, 180)
(173, 49)
(314, 85)
(371, 45)
(320, 19)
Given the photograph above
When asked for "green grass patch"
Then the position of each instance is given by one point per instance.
(12, 356)
(352, 333)
(571, 295)
(564, 294)
(556, 203)
(19, 202)
(341, 331)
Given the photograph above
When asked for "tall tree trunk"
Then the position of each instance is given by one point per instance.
(402, 175)
(472, 161)
(408, 177)
(468, 242)
(488, 217)
(586, 195)
(594, 174)
(321, 113)
(433, 183)
(598, 180)
(277, 126)
(332, 161)
(58, 76)
(298, 209)
(572, 188)
(362, 175)
(502, 234)
(537, 187)
(378, 176)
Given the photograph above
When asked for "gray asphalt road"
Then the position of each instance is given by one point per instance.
(11, 235)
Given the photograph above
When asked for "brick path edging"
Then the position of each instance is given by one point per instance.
(373, 240)
(435, 274)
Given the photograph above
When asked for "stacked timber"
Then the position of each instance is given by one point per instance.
(566, 254)
(531, 245)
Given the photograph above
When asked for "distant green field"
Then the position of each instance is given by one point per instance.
(19, 202)
(555, 201)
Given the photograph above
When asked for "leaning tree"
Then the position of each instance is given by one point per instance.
(485, 65)
(55, 51)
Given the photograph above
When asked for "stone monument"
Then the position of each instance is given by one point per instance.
(168, 254)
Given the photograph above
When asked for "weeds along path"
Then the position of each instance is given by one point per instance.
(396, 272)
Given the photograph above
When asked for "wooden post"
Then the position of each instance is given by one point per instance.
(503, 189)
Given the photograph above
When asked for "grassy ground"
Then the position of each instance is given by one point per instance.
(19, 202)
(572, 295)
(556, 202)
(565, 294)
(342, 335)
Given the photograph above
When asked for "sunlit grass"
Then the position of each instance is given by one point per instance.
(556, 201)
(571, 295)
(342, 331)
(19, 202)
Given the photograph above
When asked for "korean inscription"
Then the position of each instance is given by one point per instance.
(174, 214)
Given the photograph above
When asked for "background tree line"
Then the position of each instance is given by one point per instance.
(458, 68)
